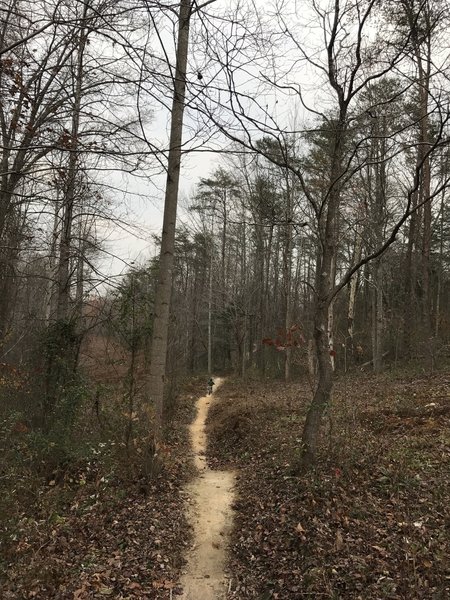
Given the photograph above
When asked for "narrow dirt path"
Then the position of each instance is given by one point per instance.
(210, 513)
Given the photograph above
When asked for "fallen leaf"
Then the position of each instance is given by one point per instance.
(164, 584)
(299, 528)
(106, 591)
(134, 586)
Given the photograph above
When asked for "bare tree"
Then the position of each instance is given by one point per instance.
(158, 355)
(350, 61)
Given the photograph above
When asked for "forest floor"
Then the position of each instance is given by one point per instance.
(372, 521)
(95, 535)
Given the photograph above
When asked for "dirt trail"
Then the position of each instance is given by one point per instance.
(210, 514)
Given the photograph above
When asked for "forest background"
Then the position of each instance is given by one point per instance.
(318, 245)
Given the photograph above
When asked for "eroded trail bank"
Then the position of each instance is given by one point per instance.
(210, 513)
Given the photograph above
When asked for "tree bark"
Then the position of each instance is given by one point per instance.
(325, 277)
(310, 436)
(330, 321)
(158, 355)
(440, 269)
(311, 430)
(210, 299)
(379, 212)
(420, 231)
(352, 294)
(377, 316)
(410, 282)
(63, 275)
(287, 268)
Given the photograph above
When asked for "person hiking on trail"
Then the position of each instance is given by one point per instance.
(210, 385)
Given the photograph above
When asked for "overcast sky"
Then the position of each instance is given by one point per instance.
(145, 202)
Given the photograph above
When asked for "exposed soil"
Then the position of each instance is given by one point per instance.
(371, 522)
(211, 497)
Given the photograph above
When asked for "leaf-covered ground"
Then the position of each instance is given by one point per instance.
(371, 522)
(91, 536)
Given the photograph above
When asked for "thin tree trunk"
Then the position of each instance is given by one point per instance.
(287, 267)
(410, 281)
(210, 298)
(244, 348)
(193, 336)
(243, 243)
(223, 274)
(422, 238)
(378, 220)
(266, 299)
(130, 379)
(440, 269)
(378, 362)
(330, 322)
(377, 317)
(311, 361)
(82, 245)
(352, 294)
(50, 307)
(277, 319)
(424, 86)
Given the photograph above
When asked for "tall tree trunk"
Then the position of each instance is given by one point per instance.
(311, 430)
(352, 295)
(193, 334)
(210, 299)
(379, 211)
(410, 281)
(83, 232)
(245, 292)
(325, 276)
(420, 17)
(322, 395)
(244, 348)
(287, 268)
(266, 299)
(425, 193)
(440, 268)
(130, 379)
(223, 274)
(330, 322)
(158, 355)
(377, 316)
(425, 187)
(63, 275)
(50, 304)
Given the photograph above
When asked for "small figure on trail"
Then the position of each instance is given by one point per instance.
(210, 386)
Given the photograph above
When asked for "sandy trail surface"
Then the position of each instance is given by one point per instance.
(210, 513)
